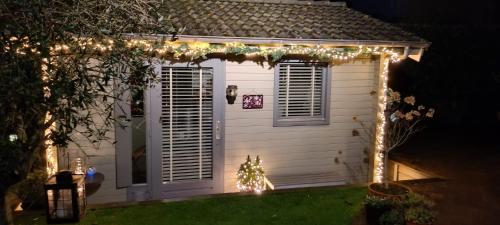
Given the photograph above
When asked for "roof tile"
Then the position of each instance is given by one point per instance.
(279, 20)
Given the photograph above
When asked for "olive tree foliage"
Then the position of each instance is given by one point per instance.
(53, 76)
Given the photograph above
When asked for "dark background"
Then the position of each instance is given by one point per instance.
(459, 74)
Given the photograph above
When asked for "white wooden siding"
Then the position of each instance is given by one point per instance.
(299, 149)
(401, 171)
(284, 150)
(102, 156)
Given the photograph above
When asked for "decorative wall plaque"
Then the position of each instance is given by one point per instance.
(253, 101)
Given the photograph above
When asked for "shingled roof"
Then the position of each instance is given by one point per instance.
(257, 19)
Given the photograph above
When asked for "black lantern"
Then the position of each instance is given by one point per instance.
(231, 93)
(65, 197)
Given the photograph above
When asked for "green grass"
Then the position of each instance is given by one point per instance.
(315, 206)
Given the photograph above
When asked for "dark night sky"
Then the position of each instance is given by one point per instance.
(460, 72)
(431, 11)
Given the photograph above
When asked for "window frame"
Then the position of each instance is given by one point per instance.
(324, 119)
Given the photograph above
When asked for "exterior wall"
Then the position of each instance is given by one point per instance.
(400, 171)
(300, 149)
(102, 156)
(284, 150)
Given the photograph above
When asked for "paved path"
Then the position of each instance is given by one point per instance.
(470, 160)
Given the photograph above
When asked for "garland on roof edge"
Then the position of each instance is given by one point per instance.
(200, 50)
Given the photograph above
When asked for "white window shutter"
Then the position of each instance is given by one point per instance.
(187, 106)
(300, 91)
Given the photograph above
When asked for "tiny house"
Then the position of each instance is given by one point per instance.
(185, 137)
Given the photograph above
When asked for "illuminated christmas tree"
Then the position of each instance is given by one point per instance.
(251, 176)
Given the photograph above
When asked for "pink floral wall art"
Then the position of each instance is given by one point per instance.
(253, 101)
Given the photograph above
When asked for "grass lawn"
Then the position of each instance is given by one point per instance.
(315, 206)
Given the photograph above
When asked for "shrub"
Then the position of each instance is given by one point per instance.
(378, 202)
(418, 200)
(414, 208)
(31, 190)
(376, 206)
(393, 217)
(420, 215)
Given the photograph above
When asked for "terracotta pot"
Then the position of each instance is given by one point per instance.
(374, 191)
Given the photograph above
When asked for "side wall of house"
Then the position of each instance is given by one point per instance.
(301, 149)
(102, 156)
(284, 150)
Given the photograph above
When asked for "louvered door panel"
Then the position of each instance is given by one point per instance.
(300, 90)
(186, 125)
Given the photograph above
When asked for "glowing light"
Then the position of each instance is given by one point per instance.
(200, 45)
(196, 50)
(250, 176)
(378, 171)
(50, 150)
(13, 137)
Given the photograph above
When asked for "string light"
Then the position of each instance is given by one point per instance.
(197, 50)
(50, 150)
(250, 176)
(200, 50)
(378, 172)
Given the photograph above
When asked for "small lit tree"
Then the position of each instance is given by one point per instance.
(251, 176)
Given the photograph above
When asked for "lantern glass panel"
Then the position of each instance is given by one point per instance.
(62, 204)
(66, 201)
(82, 201)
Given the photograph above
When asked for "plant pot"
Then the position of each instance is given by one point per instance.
(395, 191)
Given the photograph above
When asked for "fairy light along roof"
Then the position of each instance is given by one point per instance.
(284, 22)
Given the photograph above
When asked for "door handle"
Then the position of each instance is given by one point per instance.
(123, 118)
(122, 121)
(217, 130)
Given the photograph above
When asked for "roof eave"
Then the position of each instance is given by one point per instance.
(297, 41)
(286, 41)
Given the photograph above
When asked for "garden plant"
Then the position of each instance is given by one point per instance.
(56, 77)
(412, 209)
(404, 119)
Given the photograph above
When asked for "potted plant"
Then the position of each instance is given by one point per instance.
(417, 200)
(393, 217)
(375, 207)
(389, 190)
(403, 118)
(418, 210)
(419, 215)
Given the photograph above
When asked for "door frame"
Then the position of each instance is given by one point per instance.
(153, 124)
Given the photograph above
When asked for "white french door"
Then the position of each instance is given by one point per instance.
(186, 130)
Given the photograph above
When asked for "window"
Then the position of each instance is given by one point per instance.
(301, 94)
(138, 126)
